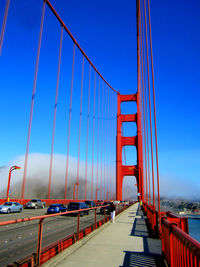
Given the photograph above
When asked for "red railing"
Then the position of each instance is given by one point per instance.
(152, 217)
(179, 249)
(43, 255)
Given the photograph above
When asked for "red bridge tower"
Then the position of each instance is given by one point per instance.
(124, 170)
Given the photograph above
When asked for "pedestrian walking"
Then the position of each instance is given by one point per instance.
(112, 210)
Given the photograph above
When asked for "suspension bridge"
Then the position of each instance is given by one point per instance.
(82, 135)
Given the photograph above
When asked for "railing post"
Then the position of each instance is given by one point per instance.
(78, 224)
(171, 242)
(39, 244)
(95, 218)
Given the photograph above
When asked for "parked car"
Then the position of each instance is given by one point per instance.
(90, 203)
(35, 204)
(56, 208)
(107, 208)
(8, 207)
(78, 206)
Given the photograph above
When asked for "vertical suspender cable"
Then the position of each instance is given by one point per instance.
(101, 139)
(88, 116)
(144, 116)
(93, 136)
(55, 111)
(98, 141)
(150, 112)
(79, 138)
(4, 24)
(146, 113)
(105, 144)
(32, 101)
(69, 124)
(107, 147)
(154, 101)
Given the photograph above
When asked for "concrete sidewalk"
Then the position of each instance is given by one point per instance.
(123, 243)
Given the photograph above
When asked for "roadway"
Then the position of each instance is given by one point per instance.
(19, 240)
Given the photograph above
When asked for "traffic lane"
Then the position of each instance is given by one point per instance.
(26, 213)
(19, 229)
(16, 248)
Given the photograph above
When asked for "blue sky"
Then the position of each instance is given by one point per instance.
(106, 30)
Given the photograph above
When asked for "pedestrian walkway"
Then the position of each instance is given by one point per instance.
(121, 244)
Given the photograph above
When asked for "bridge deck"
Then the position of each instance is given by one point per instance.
(123, 243)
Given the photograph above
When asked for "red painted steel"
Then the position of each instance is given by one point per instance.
(150, 111)
(122, 170)
(9, 179)
(154, 102)
(79, 137)
(53, 249)
(179, 249)
(88, 116)
(143, 107)
(39, 245)
(55, 112)
(98, 121)
(93, 135)
(4, 24)
(139, 119)
(74, 40)
(146, 109)
(32, 101)
(69, 123)
(102, 108)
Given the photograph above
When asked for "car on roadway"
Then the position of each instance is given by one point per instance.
(35, 204)
(78, 206)
(105, 208)
(9, 207)
(56, 208)
(90, 203)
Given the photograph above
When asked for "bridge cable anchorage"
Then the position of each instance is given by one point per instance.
(55, 113)
(4, 24)
(154, 102)
(32, 101)
(77, 44)
(69, 124)
(88, 114)
(79, 138)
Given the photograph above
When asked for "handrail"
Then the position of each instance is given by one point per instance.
(38, 256)
(178, 247)
(47, 216)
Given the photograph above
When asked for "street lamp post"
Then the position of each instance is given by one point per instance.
(9, 178)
